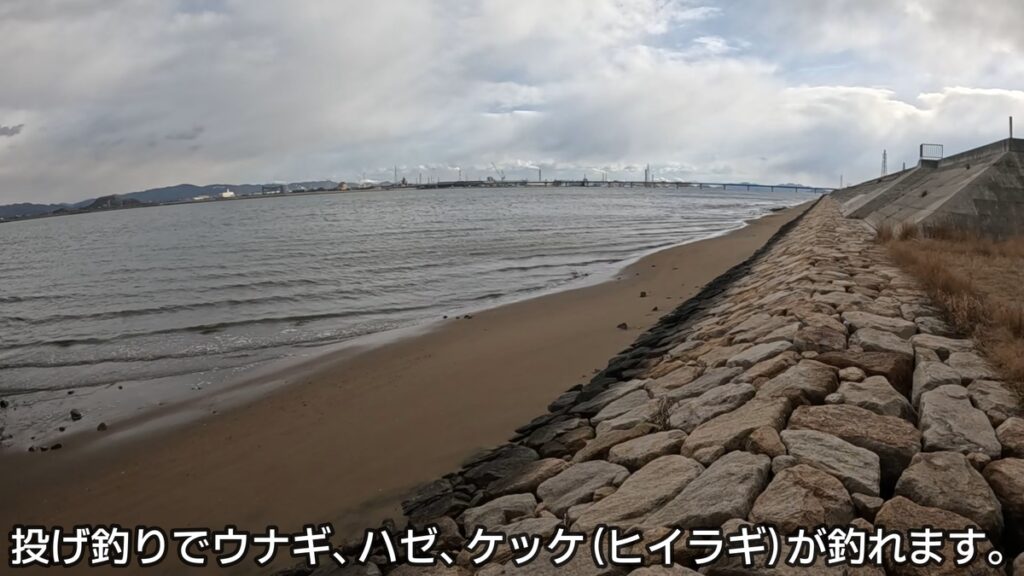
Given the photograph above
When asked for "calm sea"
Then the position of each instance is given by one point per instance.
(135, 295)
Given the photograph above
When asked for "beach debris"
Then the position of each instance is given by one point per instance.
(102, 427)
(623, 326)
(4, 404)
(76, 414)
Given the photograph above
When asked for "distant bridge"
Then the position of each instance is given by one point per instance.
(737, 186)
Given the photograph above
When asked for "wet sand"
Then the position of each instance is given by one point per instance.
(350, 434)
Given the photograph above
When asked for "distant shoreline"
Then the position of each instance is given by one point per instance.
(467, 184)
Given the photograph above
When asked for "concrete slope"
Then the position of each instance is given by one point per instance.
(931, 190)
(994, 200)
(850, 193)
(867, 204)
(981, 188)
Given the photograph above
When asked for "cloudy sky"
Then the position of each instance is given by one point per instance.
(108, 96)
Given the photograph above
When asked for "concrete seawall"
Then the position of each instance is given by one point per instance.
(814, 384)
(981, 188)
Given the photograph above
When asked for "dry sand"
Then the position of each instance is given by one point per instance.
(345, 440)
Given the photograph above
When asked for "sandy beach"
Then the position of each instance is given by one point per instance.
(350, 434)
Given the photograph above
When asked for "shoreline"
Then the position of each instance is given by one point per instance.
(320, 433)
(137, 408)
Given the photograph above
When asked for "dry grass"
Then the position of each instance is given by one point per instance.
(978, 280)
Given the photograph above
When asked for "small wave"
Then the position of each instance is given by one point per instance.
(567, 265)
(172, 308)
(216, 327)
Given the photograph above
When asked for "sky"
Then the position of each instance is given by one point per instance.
(111, 96)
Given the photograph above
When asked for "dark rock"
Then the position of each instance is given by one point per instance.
(576, 484)
(867, 506)
(1006, 477)
(709, 380)
(553, 430)
(607, 395)
(894, 440)
(800, 497)
(1011, 436)
(857, 468)
(947, 480)
(499, 512)
(809, 382)
(730, 431)
(646, 490)
(564, 401)
(426, 493)
(528, 477)
(598, 447)
(897, 368)
(693, 412)
(949, 422)
(727, 489)
(997, 400)
(76, 414)
(903, 515)
(636, 453)
(877, 395)
(765, 441)
(510, 459)
(819, 339)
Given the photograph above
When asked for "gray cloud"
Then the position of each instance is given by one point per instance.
(190, 134)
(730, 89)
(11, 131)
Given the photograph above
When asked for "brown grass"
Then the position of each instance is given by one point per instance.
(977, 280)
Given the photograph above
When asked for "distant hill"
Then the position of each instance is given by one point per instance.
(27, 209)
(178, 193)
(168, 193)
(114, 201)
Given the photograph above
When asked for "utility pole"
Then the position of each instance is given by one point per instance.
(885, 162)
(396, 174)
(1011, 127)
(840, 181)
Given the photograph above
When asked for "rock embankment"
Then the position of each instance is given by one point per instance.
(815, 384)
